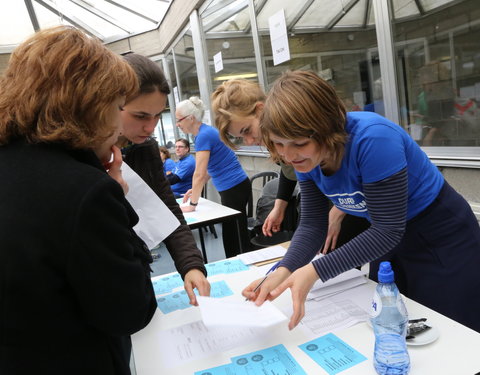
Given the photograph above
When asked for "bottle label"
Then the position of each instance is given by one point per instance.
(376, 305)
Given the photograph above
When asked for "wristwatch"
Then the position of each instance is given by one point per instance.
(193, 204)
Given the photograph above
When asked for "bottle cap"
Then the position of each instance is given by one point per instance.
(385, 273)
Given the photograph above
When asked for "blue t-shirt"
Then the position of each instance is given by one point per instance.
(223, 164)
(168, 166)
(184, 169)
(376, 149)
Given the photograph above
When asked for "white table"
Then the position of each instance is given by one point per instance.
(208, 212)
(455, 352)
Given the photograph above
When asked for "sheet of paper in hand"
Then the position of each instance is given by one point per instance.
(156, 220)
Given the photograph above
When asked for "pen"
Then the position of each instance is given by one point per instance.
(273, 268)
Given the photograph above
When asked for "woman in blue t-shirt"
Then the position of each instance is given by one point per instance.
(182, 173)
(368, 166)
(168, 163)
(216, 160)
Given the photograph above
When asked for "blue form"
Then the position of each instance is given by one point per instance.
(274, 360)
(226, 266)
(333, 354)
(167, 284)
(190, 220)
(179, 300)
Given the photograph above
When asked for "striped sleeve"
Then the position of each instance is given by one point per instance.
(312, 228)
(387, 206)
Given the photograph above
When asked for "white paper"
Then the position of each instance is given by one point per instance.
(218, 62)
(228, 312)
(279, 37)
(193, 341)
(266, 253)
(176, 97)
(156, 221)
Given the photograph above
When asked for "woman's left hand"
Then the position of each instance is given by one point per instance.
(196, 279)
(114, 169)
(300, 282)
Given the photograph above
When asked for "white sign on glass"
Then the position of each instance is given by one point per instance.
(175, 95)
(279, 37)
(218, 62)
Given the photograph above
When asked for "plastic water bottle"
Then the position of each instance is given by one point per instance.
(390, 321)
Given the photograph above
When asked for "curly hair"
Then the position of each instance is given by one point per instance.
(59, 86)
(300, 104)
(235, 98)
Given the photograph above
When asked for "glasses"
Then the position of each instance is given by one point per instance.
(180, 146)
(181, 119)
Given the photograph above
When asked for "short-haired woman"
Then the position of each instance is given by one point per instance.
(217, 160)
(75, 278)
(370, 167)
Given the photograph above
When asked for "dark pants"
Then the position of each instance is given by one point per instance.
(437, 263)
(236, 198)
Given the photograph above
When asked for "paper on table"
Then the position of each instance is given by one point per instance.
(227, 312)
(156, 221)
(343, 281)
(262, 254)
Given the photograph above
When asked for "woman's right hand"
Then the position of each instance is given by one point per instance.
(114, 168)
(187, 195)
(275, 217)
(262, 294)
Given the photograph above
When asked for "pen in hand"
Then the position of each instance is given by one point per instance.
(273, 268)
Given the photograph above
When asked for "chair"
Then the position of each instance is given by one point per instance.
(266, 177)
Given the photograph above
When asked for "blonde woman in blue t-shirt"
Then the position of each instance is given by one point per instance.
(215, 159)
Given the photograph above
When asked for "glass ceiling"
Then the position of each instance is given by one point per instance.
(108, 20)
(307, 15)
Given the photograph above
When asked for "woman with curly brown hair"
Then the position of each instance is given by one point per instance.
(84, 284)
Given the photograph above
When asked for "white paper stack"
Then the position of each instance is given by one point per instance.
(342, 282)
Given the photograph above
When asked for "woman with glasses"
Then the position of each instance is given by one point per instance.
(168, 163)
(182, 173)
(217, 160)
(141, 113)
(238, 106)
(370, 167)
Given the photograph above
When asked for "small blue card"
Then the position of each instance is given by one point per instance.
(167, 284)
(179, 300)
(226, 266)
(333, 354)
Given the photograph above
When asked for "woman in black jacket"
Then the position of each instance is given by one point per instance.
(74, 276)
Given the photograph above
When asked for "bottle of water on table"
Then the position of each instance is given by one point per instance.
(390, 321)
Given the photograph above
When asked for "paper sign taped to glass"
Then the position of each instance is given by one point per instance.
(156, 221)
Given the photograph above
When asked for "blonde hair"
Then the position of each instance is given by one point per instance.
(235, 98)
(59, 86)
(192, 107)
(300, 104)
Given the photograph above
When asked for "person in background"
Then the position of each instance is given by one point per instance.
(168, 163)
(238, 105)
(368, 166)
(140, 116)
(182, 174)
(84, 284)
(217, 160)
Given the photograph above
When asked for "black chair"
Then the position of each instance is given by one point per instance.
(266, 177)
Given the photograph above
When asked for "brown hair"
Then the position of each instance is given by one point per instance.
(59, 86)
(301, 104)
(150, 76)
(234, 98)
(164, 151)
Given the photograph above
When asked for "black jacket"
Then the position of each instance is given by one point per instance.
(74, 276)
(145, 160)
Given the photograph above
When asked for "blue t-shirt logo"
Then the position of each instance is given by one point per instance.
(349, 201)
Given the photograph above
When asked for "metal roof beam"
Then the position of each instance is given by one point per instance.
(32, 15)
(72, 19)
(420, 7)
(341, 14)
(116, 3)
(225, 16)
(102, 15)
(299, 14)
